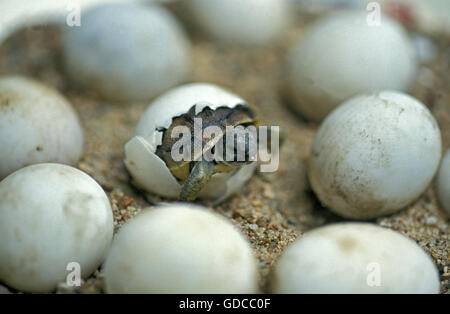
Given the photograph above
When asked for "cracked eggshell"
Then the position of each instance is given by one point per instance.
(443, 183)
(37, 124)
(250, 22)
(51, 215)
(127, 52)
(354, 258)
(342, 56)
(374, 155)
(180, 248)
(149, 171)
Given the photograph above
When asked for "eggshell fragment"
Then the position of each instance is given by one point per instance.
(250, 22)
(354, 258)
(443, 183)
(149, 171)
(341, 56)
(127, 52)
(37, 125)
(374, 155)
(51, 215)
(180, 248)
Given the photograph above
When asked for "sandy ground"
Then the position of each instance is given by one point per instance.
(273, 209)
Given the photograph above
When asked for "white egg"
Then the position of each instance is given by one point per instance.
(250, 22)
(150, 172)
(51, 215)
(127, 52)
(37, 124)
(443, 183)
(374, 155)
(20, 14)
(180, 248)
(341, 56)
(354, 258)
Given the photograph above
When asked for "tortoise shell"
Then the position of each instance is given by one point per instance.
(220, 117)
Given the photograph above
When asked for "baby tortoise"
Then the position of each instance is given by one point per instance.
(195, 173)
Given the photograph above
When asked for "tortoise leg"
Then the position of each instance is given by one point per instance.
(200, 175)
